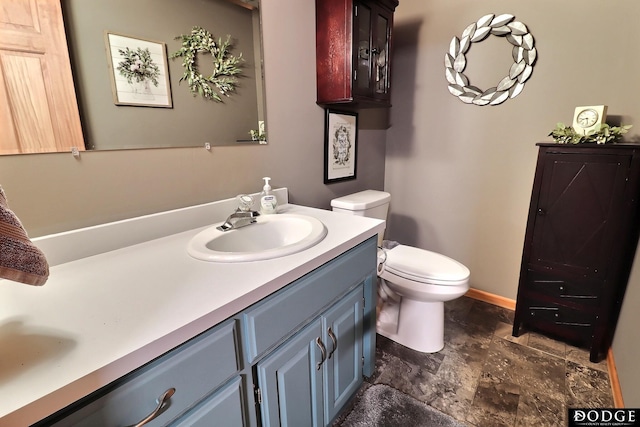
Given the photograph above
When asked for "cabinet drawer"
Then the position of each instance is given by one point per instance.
(270, 321)
(578, 291)
(562, 321)
(195, 369)
(223, 408)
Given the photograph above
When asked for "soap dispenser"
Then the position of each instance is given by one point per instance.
(268, 201)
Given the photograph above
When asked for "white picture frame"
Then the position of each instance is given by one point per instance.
(142, 82)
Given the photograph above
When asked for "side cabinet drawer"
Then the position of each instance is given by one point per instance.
(195, 369)
(278, 316)
(576, 325)
(567, 290)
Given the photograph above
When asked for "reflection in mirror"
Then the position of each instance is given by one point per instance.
(38, 109)
(191, 120)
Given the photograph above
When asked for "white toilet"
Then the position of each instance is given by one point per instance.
(414, 283)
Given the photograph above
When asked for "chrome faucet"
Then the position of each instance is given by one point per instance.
(242, 216)
(238, 219)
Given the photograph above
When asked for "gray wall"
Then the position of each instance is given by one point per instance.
(461, 175)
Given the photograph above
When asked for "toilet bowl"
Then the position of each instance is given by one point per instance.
(413, 283)
(423, 280)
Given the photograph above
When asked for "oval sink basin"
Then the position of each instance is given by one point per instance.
(271, 236)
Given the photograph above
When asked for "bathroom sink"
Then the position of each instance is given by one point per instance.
(271, 236)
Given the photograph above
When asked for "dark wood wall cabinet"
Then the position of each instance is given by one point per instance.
(353, 52)
(581, 237)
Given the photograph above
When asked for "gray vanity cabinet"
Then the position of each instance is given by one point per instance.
(294, 358)
(324, 358)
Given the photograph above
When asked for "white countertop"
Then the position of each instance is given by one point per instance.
(102, 316)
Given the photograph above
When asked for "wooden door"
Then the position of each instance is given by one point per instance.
(38, 107)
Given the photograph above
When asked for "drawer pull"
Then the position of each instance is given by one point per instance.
(323, 350)
(335, 342)
(161, 401)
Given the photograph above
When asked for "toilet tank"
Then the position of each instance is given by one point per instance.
(369, 203)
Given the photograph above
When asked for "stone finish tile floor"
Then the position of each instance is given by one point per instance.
(486, 377)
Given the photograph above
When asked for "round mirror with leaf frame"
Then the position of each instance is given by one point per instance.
(524, 56)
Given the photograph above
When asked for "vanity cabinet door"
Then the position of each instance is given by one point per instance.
(290, 380)
(343, 326)
(310, 378)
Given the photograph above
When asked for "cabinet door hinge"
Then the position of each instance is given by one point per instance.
(258, 396)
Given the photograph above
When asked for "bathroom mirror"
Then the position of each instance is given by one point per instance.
(189, 120)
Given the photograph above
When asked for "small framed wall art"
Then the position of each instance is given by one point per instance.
(340, 145)
(139, 71)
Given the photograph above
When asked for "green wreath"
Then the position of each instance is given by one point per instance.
(225, 65)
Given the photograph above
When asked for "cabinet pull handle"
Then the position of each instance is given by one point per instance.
(161, 401)
(323, 350)
(335, 342)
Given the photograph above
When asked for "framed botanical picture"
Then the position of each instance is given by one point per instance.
(139, 71)
(340, 145)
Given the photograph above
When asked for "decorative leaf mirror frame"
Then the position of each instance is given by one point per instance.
(524, 56)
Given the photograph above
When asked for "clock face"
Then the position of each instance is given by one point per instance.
(587, 118)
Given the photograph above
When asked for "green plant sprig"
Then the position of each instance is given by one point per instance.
(225, 66)
(257, 135)
(138, 66)
(606, 134)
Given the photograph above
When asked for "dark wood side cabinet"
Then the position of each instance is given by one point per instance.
(581, 237)
(353, 52)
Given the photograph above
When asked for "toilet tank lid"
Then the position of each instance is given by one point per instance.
(362, 200)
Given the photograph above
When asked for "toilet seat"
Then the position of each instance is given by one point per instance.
(424, 266)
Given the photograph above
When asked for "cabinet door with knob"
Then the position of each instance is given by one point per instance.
(581, 237)
(353, 52)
